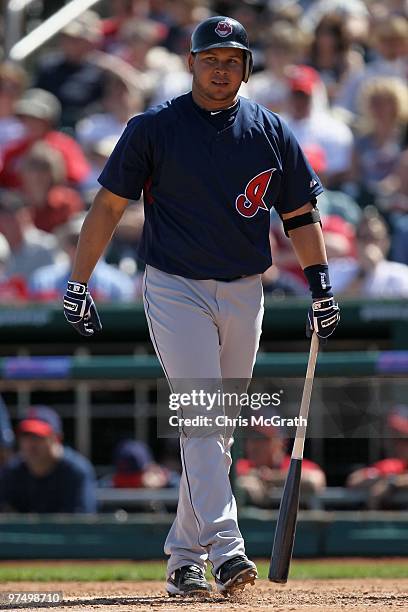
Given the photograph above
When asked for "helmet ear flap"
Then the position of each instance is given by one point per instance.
(249, 64)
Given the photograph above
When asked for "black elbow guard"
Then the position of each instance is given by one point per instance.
(313, 216)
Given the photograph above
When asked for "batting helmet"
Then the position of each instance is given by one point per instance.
(219, 31)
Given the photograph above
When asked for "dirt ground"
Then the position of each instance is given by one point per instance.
(311, 595)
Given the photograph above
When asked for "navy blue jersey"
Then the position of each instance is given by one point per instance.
(208, 193)
(69, 487)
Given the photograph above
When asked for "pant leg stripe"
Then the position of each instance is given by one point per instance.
(150, 323)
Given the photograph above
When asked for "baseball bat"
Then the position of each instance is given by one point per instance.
(288, 510)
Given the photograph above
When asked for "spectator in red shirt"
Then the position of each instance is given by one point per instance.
(383, 479)
(51, 201)
(266, 464)
(39, 111)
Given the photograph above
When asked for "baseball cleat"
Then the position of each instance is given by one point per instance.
(235, 574)
(188, 581)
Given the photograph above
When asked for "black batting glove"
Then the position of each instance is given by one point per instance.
(324, 313)
(323, 317)
(80, 309)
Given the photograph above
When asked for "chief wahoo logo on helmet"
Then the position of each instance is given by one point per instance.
(224, 28)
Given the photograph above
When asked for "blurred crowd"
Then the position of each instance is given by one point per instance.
(335, 70)
(40, 473)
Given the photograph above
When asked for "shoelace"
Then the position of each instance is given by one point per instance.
(192, 572)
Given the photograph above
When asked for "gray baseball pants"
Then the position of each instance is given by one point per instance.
(204, 329)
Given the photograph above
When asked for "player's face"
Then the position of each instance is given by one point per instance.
(217, 76)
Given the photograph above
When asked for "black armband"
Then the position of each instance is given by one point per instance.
(319, 281)
(313, 216)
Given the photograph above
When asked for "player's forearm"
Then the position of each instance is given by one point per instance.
(307, 240)
(96, 233)
(308, 244)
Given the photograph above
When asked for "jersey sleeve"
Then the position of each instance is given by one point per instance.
(299, 183)
(129, 165)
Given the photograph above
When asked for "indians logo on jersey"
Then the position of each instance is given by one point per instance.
(223, 29)
(248, 203)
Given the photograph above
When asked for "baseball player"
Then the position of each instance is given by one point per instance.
(211, 166)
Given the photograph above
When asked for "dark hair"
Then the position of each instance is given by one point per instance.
(336, 25)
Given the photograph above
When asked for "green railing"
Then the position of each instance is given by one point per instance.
(145, 367)
(142, 536)
(284, 320)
